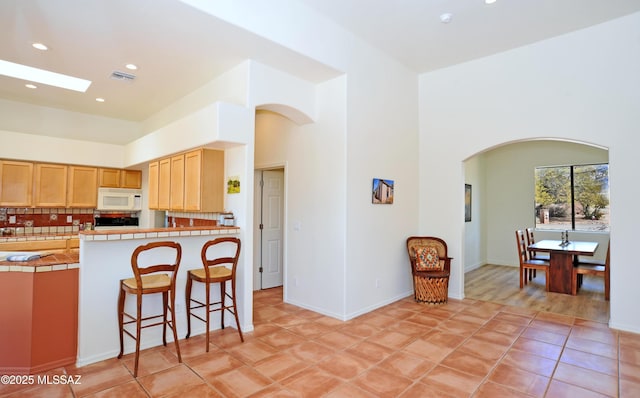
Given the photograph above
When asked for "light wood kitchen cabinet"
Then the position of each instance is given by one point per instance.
(164, 183)
(16, 183)
(82, 187)
(204, 181)
(119, 178)
(191, 181)
(130, 179)
(177, 183)
(50, 185)
(153, 185)
(109, 178)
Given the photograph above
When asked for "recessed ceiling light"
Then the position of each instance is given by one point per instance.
(100, 99)
(40, 46)
(489, 1)
(446, 17)
(36, 75)
(131, 66)
(30, 85)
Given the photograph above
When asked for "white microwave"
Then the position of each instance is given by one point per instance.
(119, 199)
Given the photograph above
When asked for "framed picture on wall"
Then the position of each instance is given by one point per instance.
(233, 185)
(467, 202)
(382, 192)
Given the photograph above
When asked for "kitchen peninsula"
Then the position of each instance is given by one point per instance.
(105, 259)
(60, 309)
(39, 309)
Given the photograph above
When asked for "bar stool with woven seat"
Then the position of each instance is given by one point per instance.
(215, 270)
(148, 280)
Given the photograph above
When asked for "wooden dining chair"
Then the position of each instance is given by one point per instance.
(533, 255)
(592, 268)
(526, 264)
(150, 279)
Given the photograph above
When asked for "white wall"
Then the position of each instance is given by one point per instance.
(290, 24)
(382, 126)
(213, 123)
(581, 86)
(231, 87)
(274, 90)
(236, 163)
(20, 146)
(34, 119)
(475, 238)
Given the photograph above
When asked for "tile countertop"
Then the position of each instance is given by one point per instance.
(145, 233)
(62, 261)
(51, 262)
(51, 236)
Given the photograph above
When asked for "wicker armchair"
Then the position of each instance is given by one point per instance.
(430, 267)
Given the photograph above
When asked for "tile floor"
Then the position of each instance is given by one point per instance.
(465, 348)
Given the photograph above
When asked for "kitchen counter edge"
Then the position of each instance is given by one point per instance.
(146, 233)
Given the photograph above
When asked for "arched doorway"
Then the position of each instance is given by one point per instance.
(503, 195)
(274, 126)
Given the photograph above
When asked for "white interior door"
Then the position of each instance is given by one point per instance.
(270, 216)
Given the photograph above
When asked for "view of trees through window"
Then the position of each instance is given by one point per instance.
(572, 197)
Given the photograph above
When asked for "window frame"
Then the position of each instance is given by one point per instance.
(572, 198)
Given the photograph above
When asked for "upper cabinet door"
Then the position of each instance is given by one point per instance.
(177, 183)
(131, 179)
(119, 178)
(50, 185)
(83, 187)
(109, 178)
(164, 184)
(192, 180)
(16, 183)
(204, 180)
(153, 184)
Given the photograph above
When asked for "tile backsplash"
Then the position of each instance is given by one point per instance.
(37, 221)
(34, 221)
(181, 219)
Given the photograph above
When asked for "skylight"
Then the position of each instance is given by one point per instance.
(32, 74)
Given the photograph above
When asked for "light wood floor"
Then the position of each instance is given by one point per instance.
(500, 284)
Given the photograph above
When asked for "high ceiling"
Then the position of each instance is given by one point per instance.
(178, 48)
(411, 30)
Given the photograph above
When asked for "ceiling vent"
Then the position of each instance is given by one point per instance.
(127, 77)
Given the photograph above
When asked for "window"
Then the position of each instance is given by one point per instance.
(572, 197)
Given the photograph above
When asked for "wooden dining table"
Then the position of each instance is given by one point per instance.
(562, 259)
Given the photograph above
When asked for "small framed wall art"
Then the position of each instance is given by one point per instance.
(382, 192)
(233, 185)
(467, 202)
